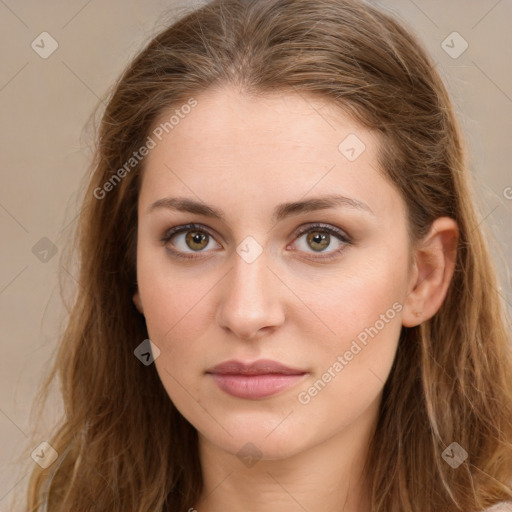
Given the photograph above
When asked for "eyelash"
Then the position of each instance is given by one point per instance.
(325, 228)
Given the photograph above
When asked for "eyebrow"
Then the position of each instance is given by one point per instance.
(281, 211)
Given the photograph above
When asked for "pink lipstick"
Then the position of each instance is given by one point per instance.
(255, 380)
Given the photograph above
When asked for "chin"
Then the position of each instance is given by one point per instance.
(254, 440)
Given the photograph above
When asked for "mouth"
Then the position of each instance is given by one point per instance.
(259, 379)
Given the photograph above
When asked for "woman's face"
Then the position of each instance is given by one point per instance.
(251, 285)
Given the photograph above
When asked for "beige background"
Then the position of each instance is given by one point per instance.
(45, 104)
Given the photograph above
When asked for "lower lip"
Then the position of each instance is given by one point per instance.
(255, 386)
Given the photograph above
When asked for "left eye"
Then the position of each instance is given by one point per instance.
(319, 238)
(196, 238)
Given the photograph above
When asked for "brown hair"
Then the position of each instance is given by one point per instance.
(451, 379)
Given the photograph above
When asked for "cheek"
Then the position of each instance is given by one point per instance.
(169, 296)
(173, 308)
(363, 313)
(177, 309)
(352, 301)
(352, 368)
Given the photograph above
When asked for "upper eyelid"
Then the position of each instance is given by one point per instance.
(299, 231)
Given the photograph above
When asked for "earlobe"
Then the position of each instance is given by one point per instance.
(137, 302)
(434, 265)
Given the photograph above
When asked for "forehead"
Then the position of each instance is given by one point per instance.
(266, 149)
(227, 117)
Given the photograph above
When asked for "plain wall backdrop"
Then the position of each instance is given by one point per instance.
(48, 94)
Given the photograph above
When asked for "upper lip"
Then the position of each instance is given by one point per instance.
(260, 367)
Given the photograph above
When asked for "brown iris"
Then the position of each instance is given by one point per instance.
(317, 237)
(196, 237)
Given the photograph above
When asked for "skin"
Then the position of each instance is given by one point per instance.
(285, 305)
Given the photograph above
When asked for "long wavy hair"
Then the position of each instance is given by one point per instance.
(452, 376)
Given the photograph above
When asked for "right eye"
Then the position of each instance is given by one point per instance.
(195, 238)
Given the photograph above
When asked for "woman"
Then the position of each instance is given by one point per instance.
(281, 203)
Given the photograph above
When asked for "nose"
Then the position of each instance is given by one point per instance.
(250, 305)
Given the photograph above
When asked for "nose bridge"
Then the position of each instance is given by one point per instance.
(250, 278)
(249, 302)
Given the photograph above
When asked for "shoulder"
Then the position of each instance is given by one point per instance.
(504, 506)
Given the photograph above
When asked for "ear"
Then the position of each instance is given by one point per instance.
(138, 302)
(433, 266)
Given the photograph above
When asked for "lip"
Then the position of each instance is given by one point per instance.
(258, 379)
(259, 367)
